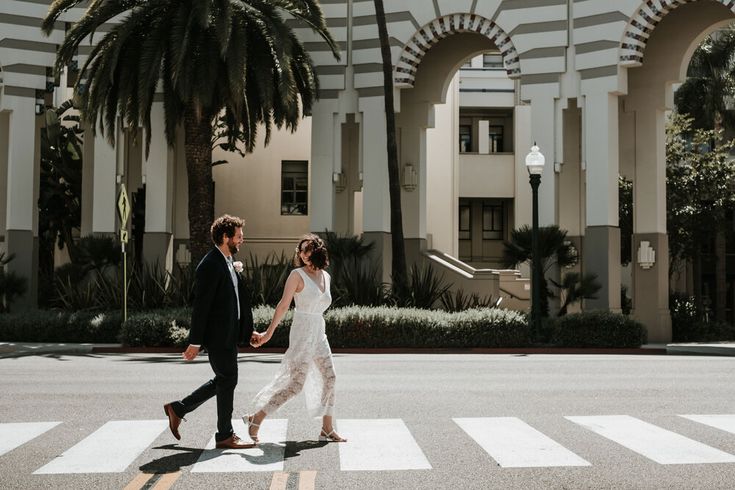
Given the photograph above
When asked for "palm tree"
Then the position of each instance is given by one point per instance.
(704, 96)
(554, 249)
(399, 272)
(235, 58)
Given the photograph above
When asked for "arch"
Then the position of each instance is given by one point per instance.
(647, 17)
(436, 30)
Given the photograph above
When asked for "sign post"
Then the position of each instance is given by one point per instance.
(123, 210)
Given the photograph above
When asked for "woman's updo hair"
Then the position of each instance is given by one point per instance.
(319, 257)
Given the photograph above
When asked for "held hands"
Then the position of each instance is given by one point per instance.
(257, 339)
(190, 353)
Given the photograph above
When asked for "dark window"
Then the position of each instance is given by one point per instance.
(492, 60)
(465, 220)
(465, 138)
(492, 221)
(495, 134)
(294, 187)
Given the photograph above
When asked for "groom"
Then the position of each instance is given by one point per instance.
(221, 318)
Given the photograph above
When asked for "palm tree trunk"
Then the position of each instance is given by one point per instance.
(720, 275)
(198, 150)
(400, 277)
(697, 279)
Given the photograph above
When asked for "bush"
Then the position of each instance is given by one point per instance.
(357, 326)
(688, 324)
(597, 329)
(157, 328)
(60, 326)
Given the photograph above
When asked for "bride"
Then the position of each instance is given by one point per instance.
(307, 363)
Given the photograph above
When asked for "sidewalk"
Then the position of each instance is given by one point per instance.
(22, 349)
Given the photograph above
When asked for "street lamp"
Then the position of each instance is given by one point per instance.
(535, 165)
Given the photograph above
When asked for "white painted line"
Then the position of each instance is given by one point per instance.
(722, 422)
(110, 449)
(660, 445)
(515, 444)
(379, 444)
(267, 456)
(16, 434)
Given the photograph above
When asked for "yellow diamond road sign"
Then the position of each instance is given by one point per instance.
(123, 206)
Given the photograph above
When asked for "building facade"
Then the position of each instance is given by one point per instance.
(476, 84)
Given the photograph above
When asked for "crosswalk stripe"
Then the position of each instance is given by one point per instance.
(268, 456)
(515, 444)
(655, 443)
(722, 422)
(379, 444)
(14, 434)
(110, 449)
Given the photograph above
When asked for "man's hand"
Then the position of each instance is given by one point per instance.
(191, 353)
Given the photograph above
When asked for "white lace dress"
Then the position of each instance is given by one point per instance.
(307, 363)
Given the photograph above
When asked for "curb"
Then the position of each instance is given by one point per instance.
(400, 350)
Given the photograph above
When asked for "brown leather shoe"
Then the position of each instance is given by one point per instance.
(173, 420)
(233, 442)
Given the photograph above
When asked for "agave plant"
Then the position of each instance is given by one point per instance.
(461, 301)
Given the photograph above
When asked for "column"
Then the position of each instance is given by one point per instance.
(326, 164)
(412, 123)
(376, 198)
(543, 122)
(602, 234)
(104, 188)
(158, 173)
(651, 285)
(22, 196)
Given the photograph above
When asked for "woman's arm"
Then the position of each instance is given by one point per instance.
(294, 283)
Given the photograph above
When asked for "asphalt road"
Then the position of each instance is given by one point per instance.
(414, 422)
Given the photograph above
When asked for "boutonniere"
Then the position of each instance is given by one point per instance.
(238, 266)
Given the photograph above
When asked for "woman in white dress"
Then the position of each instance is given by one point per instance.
(307, 363)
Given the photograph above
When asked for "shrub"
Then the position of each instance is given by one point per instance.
(688, 324)
(60, 326)
(597, 329)
(408, 327)
(157, 328)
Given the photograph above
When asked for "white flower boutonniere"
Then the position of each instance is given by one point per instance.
(238, 266)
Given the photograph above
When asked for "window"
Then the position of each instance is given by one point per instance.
(495, 133)
(294, 187)
(465, 220)
(492, 60)
(492, 221)
(465, 138)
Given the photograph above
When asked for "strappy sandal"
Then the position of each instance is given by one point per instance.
(249, 423)
(331, 437)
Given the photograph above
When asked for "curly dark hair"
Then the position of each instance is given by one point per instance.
(319, 257)
(223, 226)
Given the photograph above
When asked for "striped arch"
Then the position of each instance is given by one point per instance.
(642, 24)
(438, 29)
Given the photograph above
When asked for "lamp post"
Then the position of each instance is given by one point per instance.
(535, 165)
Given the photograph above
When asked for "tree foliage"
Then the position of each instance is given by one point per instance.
(700, 185)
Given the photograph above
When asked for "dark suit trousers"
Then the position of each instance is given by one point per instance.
(224, 365)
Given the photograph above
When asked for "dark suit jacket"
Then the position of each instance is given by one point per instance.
(214, 323)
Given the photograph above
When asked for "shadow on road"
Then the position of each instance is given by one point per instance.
(269, 453)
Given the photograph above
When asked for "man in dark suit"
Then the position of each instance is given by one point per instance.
(221, 319)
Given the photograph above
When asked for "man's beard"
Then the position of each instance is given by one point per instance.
(233, 248)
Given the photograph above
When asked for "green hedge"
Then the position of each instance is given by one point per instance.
(359, 326)
(61, 326)
(348, 327)
(597, 329)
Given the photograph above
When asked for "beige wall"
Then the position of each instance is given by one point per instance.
(250, 187)
(4, 128)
